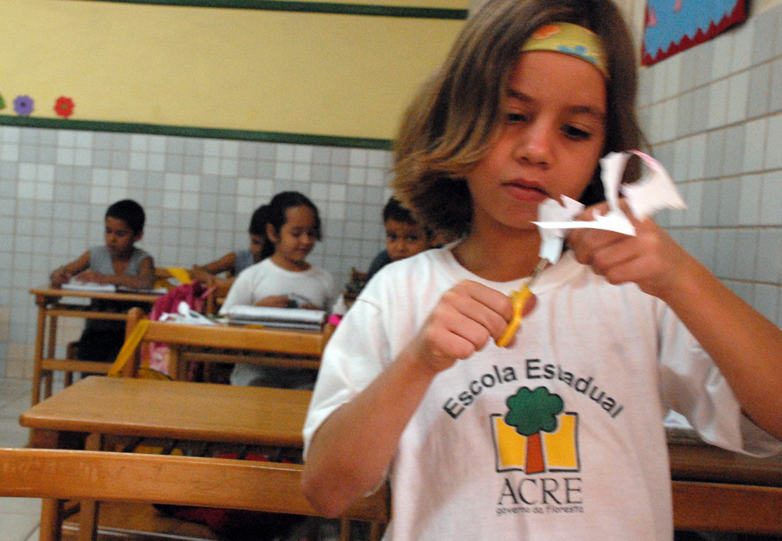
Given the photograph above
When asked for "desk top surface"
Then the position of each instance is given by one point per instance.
(174, 409)
(712, 464)
(49, 294)
(249, 338)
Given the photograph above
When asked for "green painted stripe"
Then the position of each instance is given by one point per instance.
(210, 133)
(315, 7)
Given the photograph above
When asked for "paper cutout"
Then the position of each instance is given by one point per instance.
(2, 102)
(64, 107)
(653, 191)
(186, 315)
(552, 212)
(24, 105)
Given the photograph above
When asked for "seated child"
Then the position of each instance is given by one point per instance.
(405, 237)
(118, 262)
(285, 279)
(235, 262)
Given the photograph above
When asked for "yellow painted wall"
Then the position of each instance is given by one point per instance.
(321, 74)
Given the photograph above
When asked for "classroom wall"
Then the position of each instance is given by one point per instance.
(257, 70)
(713, 114)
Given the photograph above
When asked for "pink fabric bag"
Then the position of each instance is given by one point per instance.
(194, 294)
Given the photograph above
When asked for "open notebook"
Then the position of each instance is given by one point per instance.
(109, 288)
(291, 318)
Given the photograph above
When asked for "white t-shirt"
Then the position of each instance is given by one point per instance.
(265, 279)
(592, 372)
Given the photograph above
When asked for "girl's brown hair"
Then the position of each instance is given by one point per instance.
(450, 125)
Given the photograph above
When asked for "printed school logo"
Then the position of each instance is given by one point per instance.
(536, 435)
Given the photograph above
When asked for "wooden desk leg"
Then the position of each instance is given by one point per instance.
(39, 339)
(344, 530)
(88, 512)
(51, 520)
(176, 368)
(50, 352)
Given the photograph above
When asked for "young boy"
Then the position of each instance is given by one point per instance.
(118, 262)
(405, 237)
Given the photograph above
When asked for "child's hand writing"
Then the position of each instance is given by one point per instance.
(92, 276)
(464, 320)
(60, 277)
(651, 259)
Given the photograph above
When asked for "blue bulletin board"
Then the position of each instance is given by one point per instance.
(672, 26)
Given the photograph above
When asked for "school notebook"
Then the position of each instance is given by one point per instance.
(292, 318)
(109, 288)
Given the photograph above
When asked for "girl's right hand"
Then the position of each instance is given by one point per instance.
(465, 319)
(275, 301)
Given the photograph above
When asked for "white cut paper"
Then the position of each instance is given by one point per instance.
(653, 191)
(552, 212)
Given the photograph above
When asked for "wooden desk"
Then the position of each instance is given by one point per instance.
(170, 409)
(50, 308)
(284, 348)
(715, 490)
(102, 407)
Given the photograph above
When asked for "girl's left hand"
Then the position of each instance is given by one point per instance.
(651, 259)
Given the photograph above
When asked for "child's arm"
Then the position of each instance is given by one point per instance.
(746, 347)
(276, 301)
(352, 449)
(144, 280)
(62, 275)
(206, 273)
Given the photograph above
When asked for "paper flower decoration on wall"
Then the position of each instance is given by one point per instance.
(24, 105)
(64, 107)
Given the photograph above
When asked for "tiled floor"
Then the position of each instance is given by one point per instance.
(19, 517)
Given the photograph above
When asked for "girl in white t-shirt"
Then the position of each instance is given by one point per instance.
(285, 279)
(412, 385)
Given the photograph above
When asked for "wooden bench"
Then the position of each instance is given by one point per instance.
(205, 482)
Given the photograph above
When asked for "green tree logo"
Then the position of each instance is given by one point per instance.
(530, 413)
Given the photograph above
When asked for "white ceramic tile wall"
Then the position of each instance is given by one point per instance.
(198, 194)
(724, 149)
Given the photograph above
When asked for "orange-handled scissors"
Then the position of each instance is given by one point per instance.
(519, 300)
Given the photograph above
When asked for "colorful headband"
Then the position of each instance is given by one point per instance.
(569, 39)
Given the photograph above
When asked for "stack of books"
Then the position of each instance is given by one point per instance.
(290, 318)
